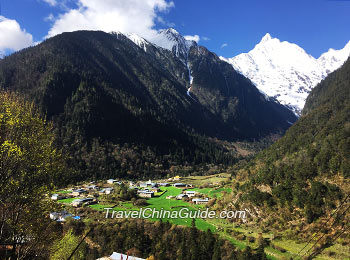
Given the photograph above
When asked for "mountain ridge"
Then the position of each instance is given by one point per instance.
(286, 71)
(108, 95)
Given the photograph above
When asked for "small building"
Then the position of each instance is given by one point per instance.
(109, 190)
(106, 191)
(181, 196)
(200, 201)
(164, 184)
(176, 178)
(145, 194)
(143, 184)
(81, 202)
(155, 189)
(190, 193)
(112, 181)
(78, 192)
(118, 256)
(92, 187)
(179, 185)
(57, 197)
(60, 216)
(148, 184)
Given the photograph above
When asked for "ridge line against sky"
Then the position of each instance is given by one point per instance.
(226, 27)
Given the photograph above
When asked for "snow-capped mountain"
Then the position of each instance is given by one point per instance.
(171, 40)
(138, 40)
(285, 71)
(168, 39)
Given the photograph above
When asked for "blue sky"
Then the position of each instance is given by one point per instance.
(315, 25)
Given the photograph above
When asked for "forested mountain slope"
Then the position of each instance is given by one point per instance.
(121, 109)
(308, 169)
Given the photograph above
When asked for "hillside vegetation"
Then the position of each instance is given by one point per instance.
(121, 111)
(305, 175)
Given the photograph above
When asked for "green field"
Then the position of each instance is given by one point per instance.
(206, 180)
(161, 203)
(63, 192)
(211, 192)
(67, 201)
(219, 226)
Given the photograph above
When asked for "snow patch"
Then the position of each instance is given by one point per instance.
(141, 42)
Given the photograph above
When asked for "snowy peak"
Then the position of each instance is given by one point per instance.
(284, 70)
(168, 39)
(334, 59)
(171, 40)
(266, 38)
(141, 42)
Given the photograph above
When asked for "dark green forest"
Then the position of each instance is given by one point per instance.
(119, 111)
(309, 166)
(161, 240)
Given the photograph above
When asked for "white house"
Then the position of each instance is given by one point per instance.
(181, 196)
(78, 192)
(57, 197)
(109, 190)
(111, 181)
(190, 193)
(145, 193)
(81, 202)
(118, 256)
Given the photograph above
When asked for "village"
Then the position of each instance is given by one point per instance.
(95, 194)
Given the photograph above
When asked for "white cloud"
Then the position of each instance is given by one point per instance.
(224, 45)
(51, 2)
(49, 18)
(205, 38)
(12, 36)
(126, 16)
(195, 38)
(163, 22)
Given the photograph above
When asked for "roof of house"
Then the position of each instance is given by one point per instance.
(82, 200)
(179, 184)
(118, 256)
(145, 191)
(79, 190)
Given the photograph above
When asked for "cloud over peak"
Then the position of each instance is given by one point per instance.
(195, 38)
(126, 16)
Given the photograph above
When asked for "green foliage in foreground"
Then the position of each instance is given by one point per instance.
(29, 167)
(64, 247)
